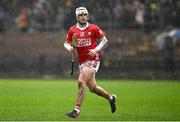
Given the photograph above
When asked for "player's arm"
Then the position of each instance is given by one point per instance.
(68, 47)
(67, 44)
(102, 43)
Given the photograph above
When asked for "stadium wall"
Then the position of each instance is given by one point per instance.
(128, 55)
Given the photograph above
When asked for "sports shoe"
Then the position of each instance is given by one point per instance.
(73, 114)
(112, 103)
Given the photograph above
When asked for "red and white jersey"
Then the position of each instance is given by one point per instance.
(86, 40)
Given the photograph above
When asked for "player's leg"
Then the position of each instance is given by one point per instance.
(91, 83)
(80, 97)
(81, 90)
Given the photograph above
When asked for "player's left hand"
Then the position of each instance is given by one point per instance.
(92, 52)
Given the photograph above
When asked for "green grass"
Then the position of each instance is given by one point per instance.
(38, 99)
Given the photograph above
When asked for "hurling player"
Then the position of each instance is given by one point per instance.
(86, 34)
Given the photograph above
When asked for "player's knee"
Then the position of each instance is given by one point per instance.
(80, 84)
(92, 89)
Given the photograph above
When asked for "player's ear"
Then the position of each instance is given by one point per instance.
(88, 17)
(77, 17)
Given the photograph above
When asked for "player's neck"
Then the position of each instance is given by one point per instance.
(82, 26)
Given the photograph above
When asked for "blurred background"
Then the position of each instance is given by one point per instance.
(144, 38)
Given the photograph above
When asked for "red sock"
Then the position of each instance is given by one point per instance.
(78, 106)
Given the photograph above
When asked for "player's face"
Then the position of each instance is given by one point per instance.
(82, 18)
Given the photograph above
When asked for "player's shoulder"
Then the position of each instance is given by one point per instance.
(93, 26)
(72, 27)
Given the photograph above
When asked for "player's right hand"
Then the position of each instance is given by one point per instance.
(92, 52)
(71, 50)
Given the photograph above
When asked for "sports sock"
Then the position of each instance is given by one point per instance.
(77, 108)
(110, 97)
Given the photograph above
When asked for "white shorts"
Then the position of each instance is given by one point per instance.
(91, 64)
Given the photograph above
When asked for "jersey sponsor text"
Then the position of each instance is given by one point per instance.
(84, 42)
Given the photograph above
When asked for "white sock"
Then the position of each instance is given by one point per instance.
(111, 97)
(78, 110)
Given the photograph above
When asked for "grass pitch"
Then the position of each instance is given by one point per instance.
(49, 100)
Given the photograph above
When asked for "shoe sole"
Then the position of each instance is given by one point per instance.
(115, 98)
(72, 117)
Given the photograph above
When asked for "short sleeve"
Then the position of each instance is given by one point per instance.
(99, 33)
(69, 36)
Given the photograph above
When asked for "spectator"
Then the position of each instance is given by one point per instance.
(60, 18)
(169, 55)
(2, 19)
(38, 16)
(175, 34)
(139, 17)
(22, 20)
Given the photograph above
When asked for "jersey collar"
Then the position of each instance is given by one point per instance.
(82, 28)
